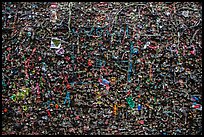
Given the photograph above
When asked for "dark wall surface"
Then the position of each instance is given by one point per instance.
(102, 68)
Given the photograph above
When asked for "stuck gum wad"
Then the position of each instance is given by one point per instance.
(21, 94)
(113, 79)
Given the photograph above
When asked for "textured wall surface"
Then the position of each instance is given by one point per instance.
(102, 68)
